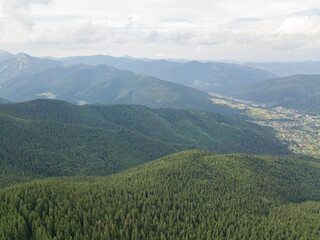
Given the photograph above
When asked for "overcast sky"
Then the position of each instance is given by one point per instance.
(245, 30)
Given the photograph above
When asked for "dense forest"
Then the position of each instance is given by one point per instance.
(187, 195)
(46, 138)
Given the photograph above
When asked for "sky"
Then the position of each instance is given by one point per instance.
(228, 30)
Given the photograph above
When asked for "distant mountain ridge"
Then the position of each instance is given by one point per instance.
(288, 68)
(301, 92)
(208, 76)
(2, 100)
(5, 55)
(22, 64)
(104, 84)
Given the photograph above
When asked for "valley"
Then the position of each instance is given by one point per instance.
(300, 130)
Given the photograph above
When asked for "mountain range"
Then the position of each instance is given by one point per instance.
(2, 100)
(22, 65)
(288, 68)
(135, 153)
(45, 138)
(5, 55)
(206, 76)
(25, 78)
(84, 84)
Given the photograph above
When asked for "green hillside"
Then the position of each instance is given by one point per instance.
(104, 84)
(300, 92)
(188, 195)
(38, 149)
(53, 138)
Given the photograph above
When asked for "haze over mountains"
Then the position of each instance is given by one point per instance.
(288, 68)
(83, 84)
(23, 78)
(301, 92)
(206, 76)
(2, 100)
(5, 55)
(88, 79)
(22, 64)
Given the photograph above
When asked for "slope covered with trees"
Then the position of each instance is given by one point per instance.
(38, 149)
(169, 125)
(300, 92)
(54, 138)
(104, 84)
(188, 195)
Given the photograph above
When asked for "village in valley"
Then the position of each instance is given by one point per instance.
(300, 131)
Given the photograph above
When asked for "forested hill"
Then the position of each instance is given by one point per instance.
(53, 138)
(196, 128)
(188, 195)
(301, 92)
(82, 84)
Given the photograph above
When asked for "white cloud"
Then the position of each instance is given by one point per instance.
(18, 10)
(130, 21)
(49, 95)
(300, 25)
(229, 29)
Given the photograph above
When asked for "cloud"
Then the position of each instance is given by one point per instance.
(177, 20)
(129, 22)
(300, 25)
(189, 36)
(223, 29)
(244, 20)
(49, 95)
(18, 10)
(310, 12)
(86, 32)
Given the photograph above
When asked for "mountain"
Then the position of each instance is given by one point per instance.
(208, 76)
(22, 64)
(289, 68)
(2, 100)
(104, 84)
(5, 55)
(188, 195)
(45, 138)
(301, 92)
